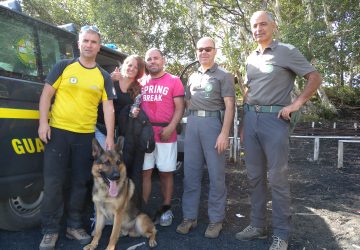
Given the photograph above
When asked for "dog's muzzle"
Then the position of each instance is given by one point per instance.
(111, 182)
(114, 176)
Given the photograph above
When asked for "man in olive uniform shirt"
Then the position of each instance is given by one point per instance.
(270, 71)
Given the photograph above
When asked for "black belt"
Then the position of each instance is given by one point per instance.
(159, 124)
(205, 113)
(263, 108)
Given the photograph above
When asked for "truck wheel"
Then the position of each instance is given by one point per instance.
(19, 213)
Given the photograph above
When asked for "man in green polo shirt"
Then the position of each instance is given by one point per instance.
(210, 99)
(271, 70)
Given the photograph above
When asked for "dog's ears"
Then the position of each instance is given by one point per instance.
(119, 144)
(97, 150)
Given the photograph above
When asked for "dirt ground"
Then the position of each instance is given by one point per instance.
(325, 199)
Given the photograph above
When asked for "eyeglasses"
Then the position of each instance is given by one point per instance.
(89, 27)
(207, 49)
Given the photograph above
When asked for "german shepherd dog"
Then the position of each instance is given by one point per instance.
(113, 196)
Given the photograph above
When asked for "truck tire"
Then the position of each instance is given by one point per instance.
(18, 213)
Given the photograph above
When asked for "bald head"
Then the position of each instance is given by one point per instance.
(206, 51)
(155, 62)
(207, 40)
(154, 50)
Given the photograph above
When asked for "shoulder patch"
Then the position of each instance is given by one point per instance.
(289, 46)
(221, 69)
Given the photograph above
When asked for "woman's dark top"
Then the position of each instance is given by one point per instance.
(123, 100)
(133, 155)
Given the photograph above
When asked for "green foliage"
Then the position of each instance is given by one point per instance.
(321, 114)
(175, 68)
(326, 114)
(344, 95)
(326, 32)
(59, 12)
(309, 117)
(238, 94)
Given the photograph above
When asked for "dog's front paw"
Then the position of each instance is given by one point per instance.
(90, 247)
(152, 243)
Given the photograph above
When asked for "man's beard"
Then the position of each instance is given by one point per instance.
(155, 71)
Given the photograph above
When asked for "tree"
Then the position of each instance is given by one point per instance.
(327, 32)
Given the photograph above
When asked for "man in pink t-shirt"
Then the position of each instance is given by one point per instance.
(163, 103)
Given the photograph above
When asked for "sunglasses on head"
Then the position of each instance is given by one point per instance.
(207, 49)
(89, 27)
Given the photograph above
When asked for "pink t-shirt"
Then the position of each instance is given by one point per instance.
(158, 100)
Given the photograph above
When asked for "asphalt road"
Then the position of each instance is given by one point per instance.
(167, 238)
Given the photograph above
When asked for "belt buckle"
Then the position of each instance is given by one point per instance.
(257, 108)
(201, 113)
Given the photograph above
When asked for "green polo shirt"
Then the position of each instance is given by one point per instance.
(207, 90)
(270, 75)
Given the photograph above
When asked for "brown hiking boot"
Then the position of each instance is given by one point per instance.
(78, 234)
(48, 241)
(213, 230)
(186, 225)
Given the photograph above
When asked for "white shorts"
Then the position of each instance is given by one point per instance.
(164, 156)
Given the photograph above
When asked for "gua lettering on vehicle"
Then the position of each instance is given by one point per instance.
(27, 145)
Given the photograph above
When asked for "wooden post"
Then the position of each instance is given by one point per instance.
(231, 142)
(236, 128)
(340, 154)
(316, 148)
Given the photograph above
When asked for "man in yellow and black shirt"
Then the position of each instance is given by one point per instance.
(78, 85)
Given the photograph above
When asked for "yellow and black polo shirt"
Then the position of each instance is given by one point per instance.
(79, 90)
